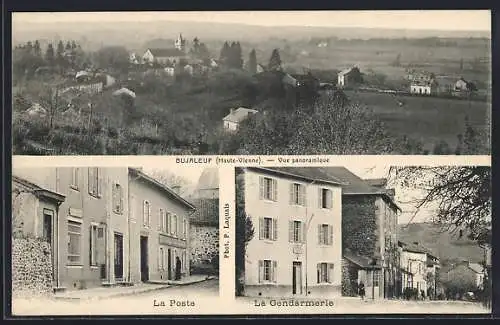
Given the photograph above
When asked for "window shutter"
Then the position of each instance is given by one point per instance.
(149, 214)
(261, 271)
(274, 271)
(330, 199)
(290, 231)
(99, 182)
(330, 235)
(261, 187)
(303, 195)
(330, 273)
(320, 198)
(292, 201)
(318, 271)
(303, 232)
(275, 229)
(261, 228)
(160, 221)
(275, 190)
(121, 199)
(101, 245)
(179, 226)
(320, 234)
(91, 180)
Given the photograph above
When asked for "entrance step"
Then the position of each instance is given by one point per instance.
(59, 289)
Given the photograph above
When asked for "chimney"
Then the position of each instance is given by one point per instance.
(231, 110)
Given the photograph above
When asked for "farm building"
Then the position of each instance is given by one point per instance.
(348, 77)
(235, 117)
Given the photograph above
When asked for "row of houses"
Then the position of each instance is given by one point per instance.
(106, 226)
(324, 231)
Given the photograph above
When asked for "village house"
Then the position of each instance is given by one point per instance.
(369, 235)
(296, 249)
(204, 233)
(423, 83)
(161, 229)
(418, 268)
(348, 77)
(232, 121)
(95, 223)
(466, 273)
(166, 55)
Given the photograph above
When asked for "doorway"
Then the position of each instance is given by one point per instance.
(169, 264)
(297, 278)
(118, 256)
(48, 236)
(144, 259)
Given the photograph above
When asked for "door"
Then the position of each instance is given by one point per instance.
(144, 259)
(297, 278)
(48, 236)
(169, 262)
(118, 256)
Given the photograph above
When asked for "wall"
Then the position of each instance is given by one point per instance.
(419, 277)
(281, 250)
(204, 244)
(31, 267)
(359, 225)
(141, 190)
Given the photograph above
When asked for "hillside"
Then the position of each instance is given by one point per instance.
(447, 246)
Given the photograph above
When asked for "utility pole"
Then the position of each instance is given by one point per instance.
(308, 223)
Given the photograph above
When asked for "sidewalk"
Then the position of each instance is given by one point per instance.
(118, 291)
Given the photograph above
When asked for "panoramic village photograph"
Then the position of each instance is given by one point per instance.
(369, 239)
(90, 240)
(325, 82)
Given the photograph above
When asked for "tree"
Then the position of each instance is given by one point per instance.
(275, 61)
(114, 57)
(461, 195)
(252, 62)
(60, 50)
(225, 53)
(49, 54)
(172, 180)
(244, 232)
(68, 46)
(234, 58)
(37, 51)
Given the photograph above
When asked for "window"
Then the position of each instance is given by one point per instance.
(268, 228)
(296, 231)
(74, 242)
(146, 214)
(173, 226)
(325, 234)
(117, 199)
(161, 262)
(168, 228)
(184, 228)
(94, 182)
(325, 198)
(325, 272)
(93, 245)
(297, 194)
(376, 278)
(75, 178)
(161, 220)
(267, 271)
(268, 189)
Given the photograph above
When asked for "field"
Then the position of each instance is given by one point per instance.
(429, 120)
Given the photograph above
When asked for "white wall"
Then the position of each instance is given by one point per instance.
(282, 250)
(233, 126)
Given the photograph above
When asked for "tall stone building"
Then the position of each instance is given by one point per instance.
(205, 224)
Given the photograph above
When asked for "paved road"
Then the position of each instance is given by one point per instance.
(178, 299)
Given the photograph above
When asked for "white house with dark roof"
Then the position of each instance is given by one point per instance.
(163, 55)
(297, 246)
(236, 116)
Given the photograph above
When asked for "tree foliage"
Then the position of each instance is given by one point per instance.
(274, 61)
(461, 195)
(252, 62)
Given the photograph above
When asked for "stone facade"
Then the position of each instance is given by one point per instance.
(31, 267)
(204, 242)
(359, 225)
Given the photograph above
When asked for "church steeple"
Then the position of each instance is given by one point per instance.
(180, 43)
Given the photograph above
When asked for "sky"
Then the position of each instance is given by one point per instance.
(457, 20)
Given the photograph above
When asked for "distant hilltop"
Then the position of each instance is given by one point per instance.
(133, 34)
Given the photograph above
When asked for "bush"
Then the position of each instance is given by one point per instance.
(410, 293)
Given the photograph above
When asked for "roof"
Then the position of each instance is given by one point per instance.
(476, 267)
(361, 261)
(376, 182)
(308, 173)
(355, 185)
(209, 179)
(167, 190)
(168, 52)
(239, 114)
(124, 91)
(345, 71)
(39, 191)
(415, 248)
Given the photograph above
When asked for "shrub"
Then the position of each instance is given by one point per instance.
(410, 293)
